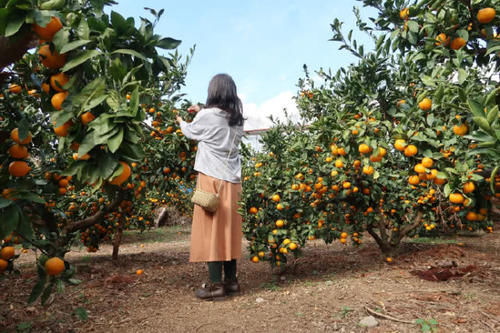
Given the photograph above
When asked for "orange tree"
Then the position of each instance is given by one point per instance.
(395, 145)
(75, 124)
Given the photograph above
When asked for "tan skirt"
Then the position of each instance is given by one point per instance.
(218, 236)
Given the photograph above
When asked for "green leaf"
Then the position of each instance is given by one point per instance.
(492, 115)
(462, 75)
(46, 293)
(60, 286)
(10, 217)
(61, 38)
(476, 108)
(74, 281)
(4, 13)
(430, 119)
(134, 102)
(413, 26)
(74, 45)
(94, 102)
(428, 81)
(5, 203)
(131, 52)
(83, 30)
(81, 313)
(80, 59)
(492, 178)
(15, 22)
(60, 117)
(115, 141)
(38, 288)
(483, 123)
(447, 190)
(168, 43)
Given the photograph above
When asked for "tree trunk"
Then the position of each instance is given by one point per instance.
(117, 239)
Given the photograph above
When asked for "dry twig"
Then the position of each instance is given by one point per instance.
(381, 315)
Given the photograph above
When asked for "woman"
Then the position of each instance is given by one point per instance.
(216, 237)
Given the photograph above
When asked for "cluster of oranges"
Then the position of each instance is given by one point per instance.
(63, 183)
(19, 152)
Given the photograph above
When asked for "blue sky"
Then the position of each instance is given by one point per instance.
(262, 44)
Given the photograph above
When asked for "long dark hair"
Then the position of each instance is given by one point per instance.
(223, 95)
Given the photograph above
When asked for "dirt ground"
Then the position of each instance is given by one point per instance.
(330, 288)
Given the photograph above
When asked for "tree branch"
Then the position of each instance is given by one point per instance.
(96, 218)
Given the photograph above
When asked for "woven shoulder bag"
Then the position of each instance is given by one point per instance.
(208, 200)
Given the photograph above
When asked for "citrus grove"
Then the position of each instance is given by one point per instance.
(88, 141)
(402, 143)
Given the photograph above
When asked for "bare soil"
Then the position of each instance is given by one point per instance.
(330, 288)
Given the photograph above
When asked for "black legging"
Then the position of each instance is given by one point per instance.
(215, 270)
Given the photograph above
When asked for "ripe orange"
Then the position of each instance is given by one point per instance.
(58, 99)
(427, 162)
(49, 59)
(48, 32)
(14, 135)
(388, 259)
(279, 206)
(425, 104)
(292, 246)
(419, 168)
(471, 216)
(63, 130)
(461, 130)
(87, 117)
(139, 271)
(457, 43)
(414, 180)
(368, 170)
(411, 150)
(456, 198)
(346, 185)
(280, 223)
(400, 144)
(118, 180)
(404, 13)
(255, 259)
(382, 151)
(469, 187)
(253, 210)
(7, 252)
(19, 168)
(339, 164)
(442, 39)
(57, 81)
(486, 15)
(54, 266)
(15, 88)
(46, 88)
(18, 151)
(432, 175)
(364, 148)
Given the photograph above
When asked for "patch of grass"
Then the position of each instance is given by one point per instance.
(270, 286)
(345, 311)
(432, 241)
(164, 234)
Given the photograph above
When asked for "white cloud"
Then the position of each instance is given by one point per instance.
(257, 115)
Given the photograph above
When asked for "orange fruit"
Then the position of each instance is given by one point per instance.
(49, 59)
(442, 39)
(63, 130)
(139, 271)
(457, 43)
(18, 151)
(7, 252)
(486, 15)
(346, 185)
(57, 81)
(255, 259)
(414, 180)
(388, 259)
(63, 182)
(58, 99)
(339, 163)
(280, 223)
(54, 266)
(471, 216)
(253, 210)
(368, 170)
(118, 180)
(400, 144)
(382, 151)
(19, 168)
(15, 88)
(411, 150)
(364, 148)
(279, 206)
(419, 168)
(469, 187)
(427, 162)
(432, 175)
(292, 246)
(3, 265)
(276, 198)
(461, 130)
(425, 104)
(46, 88)
(404, 13)
(456, 198)
(48, 32)
(87, 117)
(14, 135)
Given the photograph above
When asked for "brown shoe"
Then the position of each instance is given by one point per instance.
(231, 287)
(211, 292)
